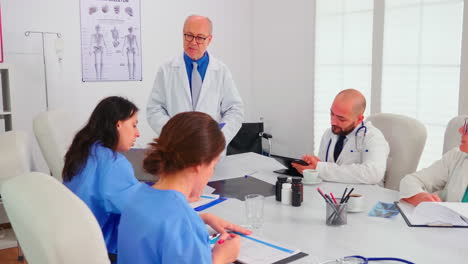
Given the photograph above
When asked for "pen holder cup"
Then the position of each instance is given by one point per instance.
(336, 214)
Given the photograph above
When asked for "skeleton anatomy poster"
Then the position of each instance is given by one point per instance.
(110, 40)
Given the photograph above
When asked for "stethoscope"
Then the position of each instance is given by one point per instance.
(363, 260)
(359, 147)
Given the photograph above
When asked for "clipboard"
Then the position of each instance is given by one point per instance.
(408, 222)
(286, 161)
(239, 187)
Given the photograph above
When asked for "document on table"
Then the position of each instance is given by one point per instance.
(208, 189)
(437, 214)
(256, 250)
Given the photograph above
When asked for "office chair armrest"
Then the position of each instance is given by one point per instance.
(265, 135)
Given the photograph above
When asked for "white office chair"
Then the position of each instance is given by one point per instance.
(15, 159)
(14, 154)
(52, 224)
(54, 132)
(406, 137)
(452, 137)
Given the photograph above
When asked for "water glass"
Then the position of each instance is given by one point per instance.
(254, 210)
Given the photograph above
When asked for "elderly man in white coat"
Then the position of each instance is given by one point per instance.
(449, 176)
(196, 81)
(351, 151)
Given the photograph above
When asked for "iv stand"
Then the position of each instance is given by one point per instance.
(27, 33)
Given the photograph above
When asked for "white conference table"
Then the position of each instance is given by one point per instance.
(304, 227)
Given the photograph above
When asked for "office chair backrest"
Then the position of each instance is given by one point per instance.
(452, 137)
(52, 224)
(406, 137)
(248, 139)
(14, 154)
(54, 132)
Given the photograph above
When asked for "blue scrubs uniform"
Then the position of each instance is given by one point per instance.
(105, 184)
(159, 226)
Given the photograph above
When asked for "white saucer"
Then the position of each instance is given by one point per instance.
(313, 183)
(356, 210)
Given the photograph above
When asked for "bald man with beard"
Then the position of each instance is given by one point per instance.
(351, 151)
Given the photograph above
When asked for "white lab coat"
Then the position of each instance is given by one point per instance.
(448, 175)
(350, 167)
(218, 96)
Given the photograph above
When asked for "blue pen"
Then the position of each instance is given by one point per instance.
(208, 197)
(214, 238)
(221, 125)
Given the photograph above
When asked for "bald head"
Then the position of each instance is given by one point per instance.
(199, 19)
(354, 98)
(347, 111)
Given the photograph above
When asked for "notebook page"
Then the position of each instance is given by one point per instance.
(434, 213)
(460, 208)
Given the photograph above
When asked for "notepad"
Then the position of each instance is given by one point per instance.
(255, 250)
(437, 214)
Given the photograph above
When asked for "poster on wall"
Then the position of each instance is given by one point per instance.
(110, 40)
(1, 38)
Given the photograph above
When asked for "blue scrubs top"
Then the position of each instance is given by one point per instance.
(105, 183)
(159, 226)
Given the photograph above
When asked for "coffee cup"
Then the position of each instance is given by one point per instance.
(310, 176)
(355, 203)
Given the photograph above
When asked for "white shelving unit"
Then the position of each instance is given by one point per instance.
(5, 99)
(5, 125)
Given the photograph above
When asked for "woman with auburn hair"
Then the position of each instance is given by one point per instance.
(95, 170)
(158, 225)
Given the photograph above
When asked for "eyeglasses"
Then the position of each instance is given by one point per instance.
(465, 126)
(198, 39)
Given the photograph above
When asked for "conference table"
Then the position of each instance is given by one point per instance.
(304, 227)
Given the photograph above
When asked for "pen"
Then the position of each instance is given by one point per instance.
(208, 197)
(329, 199)
(321, 193)
(448, 225)
(464, 219)
(343, 196)
(250, 174)
(334, 199)
(214, 238)
(347, 196)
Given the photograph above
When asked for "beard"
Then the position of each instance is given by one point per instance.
(342, 131)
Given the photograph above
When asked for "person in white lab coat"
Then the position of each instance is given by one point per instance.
(206, 86)
(351, 151)
(448, 176)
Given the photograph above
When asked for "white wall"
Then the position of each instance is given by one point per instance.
(161, 28)
(283, 66)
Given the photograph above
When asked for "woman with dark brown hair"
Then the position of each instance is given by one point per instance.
(158, 225)
(95, 170)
